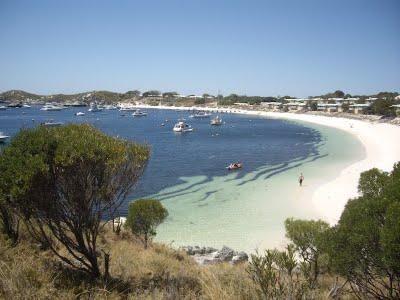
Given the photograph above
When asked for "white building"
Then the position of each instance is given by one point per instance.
(397, 108)
(294, 106)
(358, 108)
(271, 105)
(330, 107)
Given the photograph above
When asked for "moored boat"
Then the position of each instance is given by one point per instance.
(94, 107)
(182, 127)
(51, 123)
(80, 114)
(52, 107)
(216, 121)
(139, 113)
(201, 115)
(3, 137)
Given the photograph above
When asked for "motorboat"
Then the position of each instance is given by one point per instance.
(182, 127)
(216, 121)
(52, 107)
(15, 105)
(3, 137)
(127, 108)
(139, 113)
(80, 114)
(201, 115)
(51, 123)
(94, 108)
(234, 166)
(26, 106)
(2, 107)
(109, 107)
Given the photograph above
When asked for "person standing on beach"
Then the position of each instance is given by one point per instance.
(301, 178)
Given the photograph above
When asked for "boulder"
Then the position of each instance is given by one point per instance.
(240, 257)
(210, 255)
(225, 254)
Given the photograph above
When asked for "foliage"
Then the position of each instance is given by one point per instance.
(335, 94)
(313, 106)
(233, 98)
(364, 246)
(152, 93)
(272, 273)
(307, 236)
(382, 107)
(345, 107)
(199, 101)
(144, 216)
(169, 94)
(63, 181)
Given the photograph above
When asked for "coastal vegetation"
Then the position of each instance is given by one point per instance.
(59, 192)
(144, 216)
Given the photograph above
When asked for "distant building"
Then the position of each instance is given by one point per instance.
(358, 108)
(271, 105)
(295, 106)
(397, 108)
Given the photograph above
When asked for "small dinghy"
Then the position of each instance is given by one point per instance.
(234, 166)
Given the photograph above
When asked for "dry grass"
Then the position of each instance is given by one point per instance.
(156, 273)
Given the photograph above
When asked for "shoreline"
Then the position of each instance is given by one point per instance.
(381, 142)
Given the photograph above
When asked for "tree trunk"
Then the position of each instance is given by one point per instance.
(10, 224)
(145, 240)
(106, 265)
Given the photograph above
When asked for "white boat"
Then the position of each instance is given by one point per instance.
(80, 114)
(51, 123)
(216, 121)
(3, 137)
(139, 113)
(182, 127)
(94, 107)
(26, 106)
(52, 107)
(109, 107)
(200, 115)
(2, 107)
(128, 108)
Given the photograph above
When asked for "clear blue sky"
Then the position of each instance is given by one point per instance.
(298, 47)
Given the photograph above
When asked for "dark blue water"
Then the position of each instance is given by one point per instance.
(206, 151)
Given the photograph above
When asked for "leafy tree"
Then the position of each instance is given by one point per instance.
(63, 181)
(307, 236)
(152, 93)
(169, 94)
(345, 107)
(382, 107)
(364, 247)
(314, 106)
(200, 101)
(134, 93)
(338, 94)
(144, 216)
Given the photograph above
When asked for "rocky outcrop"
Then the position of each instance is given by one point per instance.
(209, 255)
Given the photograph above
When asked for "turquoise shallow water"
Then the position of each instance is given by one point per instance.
(207, 204)
(248, 212)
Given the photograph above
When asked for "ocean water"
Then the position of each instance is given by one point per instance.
(209, 205)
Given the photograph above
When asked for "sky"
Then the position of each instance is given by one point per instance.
(267, 48)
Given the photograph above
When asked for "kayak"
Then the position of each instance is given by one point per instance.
(234, 166)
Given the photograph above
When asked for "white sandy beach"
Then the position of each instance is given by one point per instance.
(382, 147)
